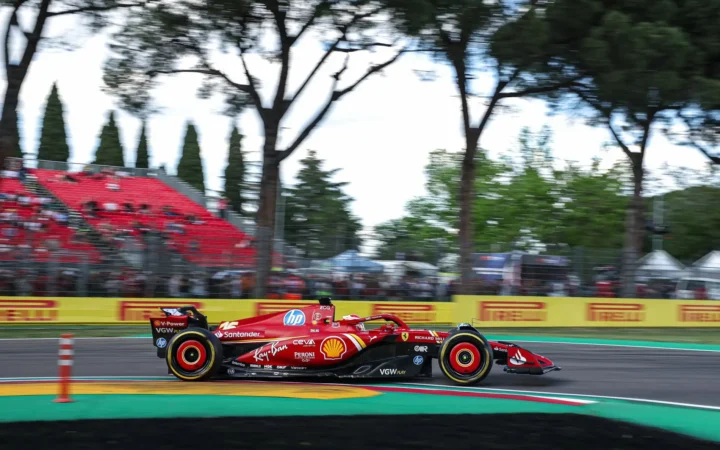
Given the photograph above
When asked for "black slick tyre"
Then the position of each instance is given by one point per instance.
(194, 354)
(465, 357)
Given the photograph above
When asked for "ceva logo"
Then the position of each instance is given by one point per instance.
(294, 317)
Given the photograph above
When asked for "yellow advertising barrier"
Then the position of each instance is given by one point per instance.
(118, 311)
(485, 312)
(530, 312)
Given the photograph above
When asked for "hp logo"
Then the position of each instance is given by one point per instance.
(294, 318)
(418, 360)
(161, 343)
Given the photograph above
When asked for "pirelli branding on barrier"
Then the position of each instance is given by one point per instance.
(615, 312)
(482, 311)
(499, 311)
(690, 315)
(408, 312)
(507, 312)
(33, 311)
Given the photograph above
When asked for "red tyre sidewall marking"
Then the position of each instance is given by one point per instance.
(459, 350)
(182, 351)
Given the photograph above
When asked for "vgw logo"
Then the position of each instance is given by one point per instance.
(294, 318)
(391, 372)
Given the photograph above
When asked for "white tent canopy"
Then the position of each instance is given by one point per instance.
(398, 269)
(708, 265)
(659, 264)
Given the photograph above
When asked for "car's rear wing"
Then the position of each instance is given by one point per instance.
(176, 319)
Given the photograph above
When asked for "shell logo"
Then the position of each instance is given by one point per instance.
(333, 347)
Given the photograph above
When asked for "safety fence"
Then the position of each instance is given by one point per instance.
(481, 311)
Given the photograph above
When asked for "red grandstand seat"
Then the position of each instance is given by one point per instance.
(75, 251)
(213, 243)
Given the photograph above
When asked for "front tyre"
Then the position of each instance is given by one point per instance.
(194, 354)
(465, 357)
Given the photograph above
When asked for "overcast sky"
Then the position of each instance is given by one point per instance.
(380, 135)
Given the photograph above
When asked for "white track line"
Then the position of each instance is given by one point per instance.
(639, 346)
(645, 346)
(607, 397)
(580, 398)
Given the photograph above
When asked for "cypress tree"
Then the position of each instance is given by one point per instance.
(190, 167)
(110, 151)
(142, 158)
(53, 138)
(235, 173)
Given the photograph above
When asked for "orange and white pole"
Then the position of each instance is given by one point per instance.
(65, 362)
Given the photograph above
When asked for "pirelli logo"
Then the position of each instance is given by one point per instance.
(28, 310)
(615, 312)
(414, 313)
(513, 311)
(699, 313)
(273, 307)
(138, 311)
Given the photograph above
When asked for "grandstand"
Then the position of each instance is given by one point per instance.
(111, 201)
(121, 208)
(29, 222)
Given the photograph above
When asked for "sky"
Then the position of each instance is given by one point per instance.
(380, 135)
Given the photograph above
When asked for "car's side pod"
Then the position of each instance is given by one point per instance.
(465, 355)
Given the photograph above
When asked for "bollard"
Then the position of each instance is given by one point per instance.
(65, 362)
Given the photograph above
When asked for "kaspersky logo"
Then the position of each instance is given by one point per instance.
(138, 311)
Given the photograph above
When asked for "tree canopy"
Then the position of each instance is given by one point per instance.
(318, 217)
(110, 150)
(524, 202)
(190, 166)
(170, 37)
(53, 138)
(28, 34)
(142, 157)
(235, 173)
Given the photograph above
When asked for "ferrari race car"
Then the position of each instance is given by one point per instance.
(311, 342)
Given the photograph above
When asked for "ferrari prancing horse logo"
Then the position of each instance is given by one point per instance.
(405, 336)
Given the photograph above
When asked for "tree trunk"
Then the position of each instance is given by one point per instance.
(9, 119)
(465, 232)
(634, 231)
(266, 213)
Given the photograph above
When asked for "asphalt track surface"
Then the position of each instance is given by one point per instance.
(645, 373)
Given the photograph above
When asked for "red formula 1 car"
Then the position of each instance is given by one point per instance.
(311, 342)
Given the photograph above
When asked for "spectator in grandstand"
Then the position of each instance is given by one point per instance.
(222, 207)
(110, 206)
(168, 211)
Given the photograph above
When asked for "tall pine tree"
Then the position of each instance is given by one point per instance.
(142, 158)
(235, 173)
(110, 151)
(53, 139)
(190, 167)
(318, 217)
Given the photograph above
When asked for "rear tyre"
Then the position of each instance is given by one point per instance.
(194, 354)
(465, 357)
